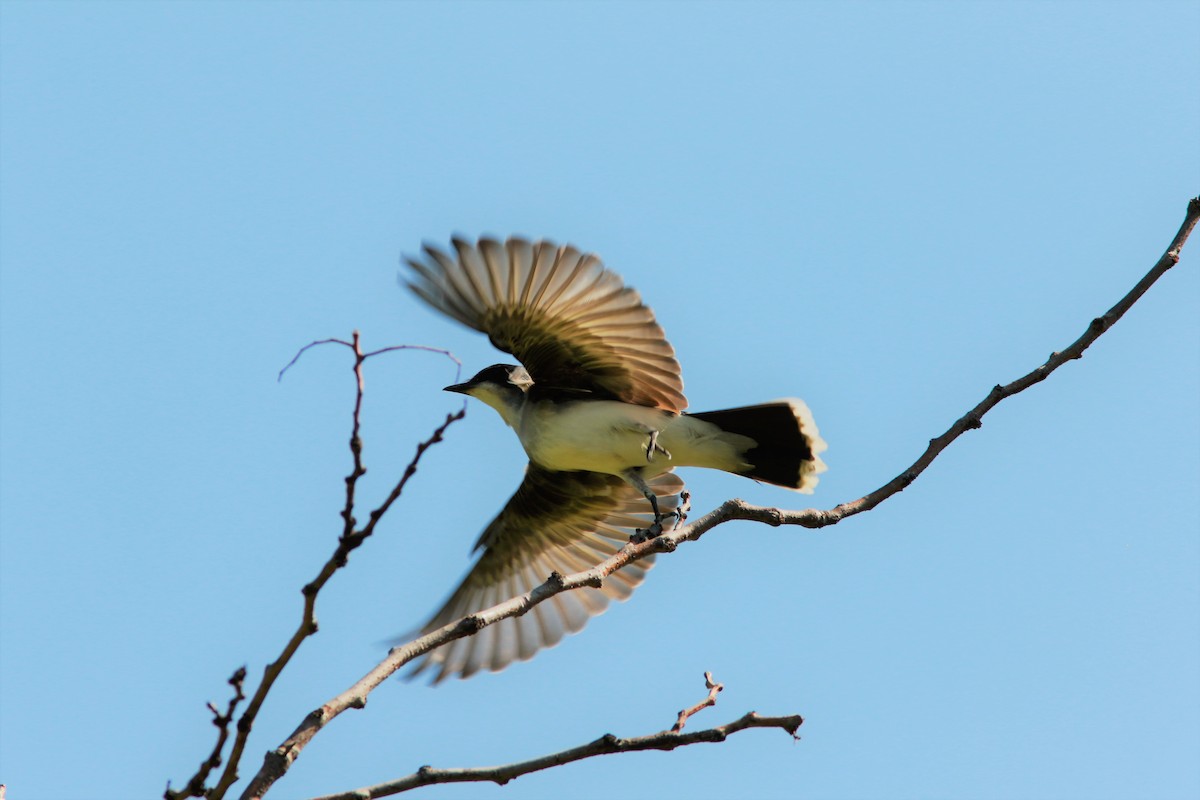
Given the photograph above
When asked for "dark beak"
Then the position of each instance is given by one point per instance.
(461, 388)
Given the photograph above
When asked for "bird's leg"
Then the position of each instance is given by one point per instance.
(634, 478)
(652, 445)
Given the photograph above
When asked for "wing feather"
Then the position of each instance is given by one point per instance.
(571, 321)
(458, 280)
(561, 522)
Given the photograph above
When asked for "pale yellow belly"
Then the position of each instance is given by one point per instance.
(598, 436)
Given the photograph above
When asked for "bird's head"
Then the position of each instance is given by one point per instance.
(501, 386)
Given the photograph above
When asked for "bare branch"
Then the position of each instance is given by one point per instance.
(278, 761)
(347, 542)
(195, 785)
(308, 623)
(605, 745)
(713, 690)
(813, 518)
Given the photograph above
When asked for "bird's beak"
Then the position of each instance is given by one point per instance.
(461, 388)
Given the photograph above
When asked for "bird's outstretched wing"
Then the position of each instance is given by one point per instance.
(557, 521)
(570, 321)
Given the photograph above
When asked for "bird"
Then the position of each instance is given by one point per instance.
(597, 403)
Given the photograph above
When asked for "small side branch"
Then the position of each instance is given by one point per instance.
(195, 785)
(713, 690)
(605, 745)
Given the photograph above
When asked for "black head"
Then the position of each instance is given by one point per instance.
(498, 375)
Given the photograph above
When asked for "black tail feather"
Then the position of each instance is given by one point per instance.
(787, 445)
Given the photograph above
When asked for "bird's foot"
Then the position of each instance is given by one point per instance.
(652, 446)
(646, 534)
(656, 529)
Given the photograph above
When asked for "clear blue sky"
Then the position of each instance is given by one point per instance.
(884, 208)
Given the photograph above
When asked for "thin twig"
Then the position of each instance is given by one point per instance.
(380, 351)
(713, 690)
(279, 760)
(426, 348)
(605, 745)
(308, 347)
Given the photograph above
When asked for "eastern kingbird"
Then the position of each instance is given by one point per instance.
(599, 408)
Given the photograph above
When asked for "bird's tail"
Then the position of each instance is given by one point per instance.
(787, 447)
